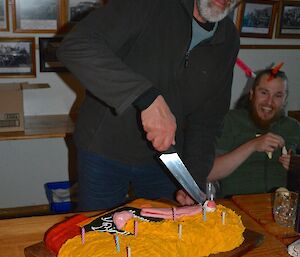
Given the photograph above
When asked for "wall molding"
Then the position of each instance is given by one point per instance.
(292, 47)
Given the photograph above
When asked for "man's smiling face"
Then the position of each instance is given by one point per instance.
(267, 100)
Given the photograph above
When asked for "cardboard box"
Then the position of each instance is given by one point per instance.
(11, 105)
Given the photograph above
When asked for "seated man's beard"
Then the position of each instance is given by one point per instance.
(260, 123)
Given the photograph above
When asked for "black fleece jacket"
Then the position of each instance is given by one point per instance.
(120, 51)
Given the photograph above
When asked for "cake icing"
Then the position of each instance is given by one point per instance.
(185, 236)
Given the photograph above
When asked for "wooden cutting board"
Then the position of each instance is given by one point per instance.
(252, 239)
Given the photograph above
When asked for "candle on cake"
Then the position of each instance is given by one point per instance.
(223, 217)
(117, 243)
(136, 228)
(174, 213)
(128, 251)
(180, 231)
(204, 214)
(82, 235)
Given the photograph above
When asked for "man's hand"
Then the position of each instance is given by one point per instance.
(159, 124)
(184, 198)
(285, 159)
(267, 142)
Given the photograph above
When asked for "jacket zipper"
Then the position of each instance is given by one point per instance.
(186, 60)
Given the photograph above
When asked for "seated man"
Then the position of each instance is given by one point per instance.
(257, 140)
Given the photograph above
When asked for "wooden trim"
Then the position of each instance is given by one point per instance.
(6, 16)
(290, 47)
(16, 15)
(24, 211)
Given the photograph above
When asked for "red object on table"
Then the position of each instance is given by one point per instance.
(61, 232)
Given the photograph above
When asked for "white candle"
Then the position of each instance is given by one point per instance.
(136, 228)
(82, 235)
(128, 251)
(223, 217)
(174, 213)
(117, 243)
(204, 214)
(180, 231)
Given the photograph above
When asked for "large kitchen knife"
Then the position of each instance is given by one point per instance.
(173, 162)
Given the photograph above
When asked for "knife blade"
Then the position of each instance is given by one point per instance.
(172, 161)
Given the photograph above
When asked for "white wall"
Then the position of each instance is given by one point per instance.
(25, 165)
(260, 59)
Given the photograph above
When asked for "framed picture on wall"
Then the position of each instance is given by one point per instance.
(36, 16)
(256, 18)
(17, 57)
(288, 23)
(4, 20)
(48, 59)
(75, 10)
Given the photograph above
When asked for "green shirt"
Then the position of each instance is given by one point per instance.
(258, 174)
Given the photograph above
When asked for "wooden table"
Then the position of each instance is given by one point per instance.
(259, 207)
(17, 234)
(270, 247)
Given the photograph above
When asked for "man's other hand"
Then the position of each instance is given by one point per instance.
(184, 198)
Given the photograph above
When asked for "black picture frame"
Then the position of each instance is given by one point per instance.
(47, 52)
(288, 23)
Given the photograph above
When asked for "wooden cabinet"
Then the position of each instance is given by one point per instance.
(294, 114)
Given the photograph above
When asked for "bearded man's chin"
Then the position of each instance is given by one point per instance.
(260, 123)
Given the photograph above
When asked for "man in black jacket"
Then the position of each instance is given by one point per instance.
(156, 73)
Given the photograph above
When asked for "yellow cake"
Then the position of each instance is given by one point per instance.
(199, 236)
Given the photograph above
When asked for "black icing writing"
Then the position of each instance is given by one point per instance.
(106, 223)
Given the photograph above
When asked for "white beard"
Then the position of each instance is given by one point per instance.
(212, 13)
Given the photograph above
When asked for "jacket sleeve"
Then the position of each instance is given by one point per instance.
(94, 49)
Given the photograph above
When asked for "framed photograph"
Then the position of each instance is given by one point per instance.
(288, 23)
(4, 20)
(17, 57)
(48, 59)
(256, 18)
(76, 10)
(36, 16)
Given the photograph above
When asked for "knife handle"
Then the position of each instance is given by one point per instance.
(171, 149)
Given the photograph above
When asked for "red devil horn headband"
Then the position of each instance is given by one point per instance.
(249, 73)
(274, 71)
